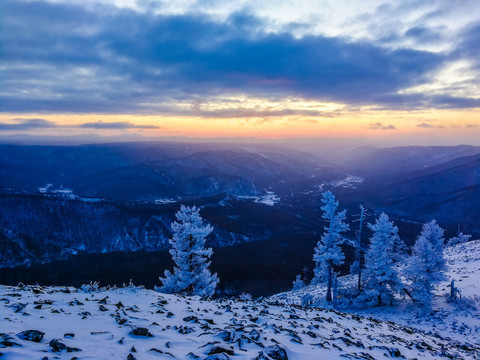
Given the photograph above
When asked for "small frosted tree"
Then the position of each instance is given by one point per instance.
(461, 238)
(385, 251)
(191, 275)
(427, 265)
(298, 283)
(328, 253)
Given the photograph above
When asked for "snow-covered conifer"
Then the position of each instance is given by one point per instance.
(191, 275)
(384, 253)
(328, 252)
(459, 239)
(298, 283)
(427, 265)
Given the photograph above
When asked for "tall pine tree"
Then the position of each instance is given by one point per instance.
(384, 253)
(191, 275)
(328, 253)
(427, 265)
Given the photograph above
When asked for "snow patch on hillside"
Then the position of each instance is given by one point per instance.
(350, 181)
(270, 198)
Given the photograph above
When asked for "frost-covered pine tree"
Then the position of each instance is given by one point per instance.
(461, 238)
(427, 265)
(384, 253)
(328, 252)
(191, 275)
(298, 283)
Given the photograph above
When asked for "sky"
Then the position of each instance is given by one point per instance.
(396, 71)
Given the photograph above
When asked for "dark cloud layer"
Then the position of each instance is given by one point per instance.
(67, 58)
(27, 124)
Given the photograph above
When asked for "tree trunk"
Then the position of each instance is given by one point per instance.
(359, 248)
(360, 273)
(409, 294)
(329, 284)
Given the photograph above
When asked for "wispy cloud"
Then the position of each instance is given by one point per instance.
(119, 125)
(425, 125)
(380, 126)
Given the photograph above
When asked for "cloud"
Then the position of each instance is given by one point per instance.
(380, 126)
(108, 60)
(119, 125)
(27, 124)
(471, 126)
(469, 44)
(425, 125)
(248, 113)
(422, 34)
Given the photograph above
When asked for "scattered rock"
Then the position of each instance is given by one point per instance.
(161, 352)
(58, 346)
(141, 332)
(31, 335)
(185, 330)
(221, 356)
(18, 307)
(274, 352)
(5, 341)
(75, 302)
(121, 321)
(69, 335)
(220, 349)
(131, 357)
(191, 319)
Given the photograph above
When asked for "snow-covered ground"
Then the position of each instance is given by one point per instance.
(459, 321)
(133, 323)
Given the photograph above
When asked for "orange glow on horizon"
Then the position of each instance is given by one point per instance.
(345, 124)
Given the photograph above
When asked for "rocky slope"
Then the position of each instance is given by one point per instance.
(458, 320)
(134, 323)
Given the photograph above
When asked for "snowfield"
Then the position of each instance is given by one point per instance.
(134, 323)
(455, 320)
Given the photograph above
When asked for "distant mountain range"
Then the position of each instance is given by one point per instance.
(59, 200)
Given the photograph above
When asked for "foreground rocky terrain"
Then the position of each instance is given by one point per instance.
(134, 323)
(458, 319)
